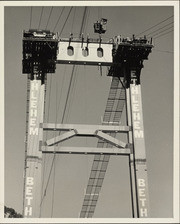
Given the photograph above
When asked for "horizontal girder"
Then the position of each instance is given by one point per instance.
(91, 128)
(85, 150)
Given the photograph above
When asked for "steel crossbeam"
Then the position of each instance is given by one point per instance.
(85, 150)
(92, 128)
(86, 131)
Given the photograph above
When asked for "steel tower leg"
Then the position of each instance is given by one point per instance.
(131, 158)
(32, 178)
(138, 168)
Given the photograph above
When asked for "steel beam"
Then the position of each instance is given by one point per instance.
(32, 192)
(86, 132)
(142, 193)
(61, 138)
(68, 127)
(111, 140)
(85, 150)
(131, 158)
(72, 52)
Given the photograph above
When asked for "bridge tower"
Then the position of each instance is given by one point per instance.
(42, 50)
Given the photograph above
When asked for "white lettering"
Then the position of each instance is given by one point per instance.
(143, 201)
(136, 124)
(33, 113)
(134, 99)
(33, 127)
(30, 181)
(29, 190)
(33, 104)
(134, 90)
(33, 94)
(33, 131)
(138, 134)
(136, 113)
(28, 211)
(34, 86)
(142, 197)
(142, 192)
(136, 116)
(29, 200)
(143, 212)
(33, 122)
(141, 182)
(135, 107)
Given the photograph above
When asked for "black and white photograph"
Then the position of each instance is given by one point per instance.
(90, 111)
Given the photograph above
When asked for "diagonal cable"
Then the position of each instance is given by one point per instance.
(49, 18)
(63, 116)
(58, 19)
(155, 25)
(41, 16)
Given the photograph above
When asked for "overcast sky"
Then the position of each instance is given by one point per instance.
(87, 104)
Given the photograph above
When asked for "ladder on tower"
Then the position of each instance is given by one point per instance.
(112, 115)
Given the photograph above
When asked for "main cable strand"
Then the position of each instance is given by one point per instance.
(73, 20)
(159, 29)
(62, 117)
(49, 18)
(162, 31)
(155, 25)
(58, 18)
(66, 20)
(47, 120)
(163, 34)
(83, 21)
(30, 18)
(41, 16)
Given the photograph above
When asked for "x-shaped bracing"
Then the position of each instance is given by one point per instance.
(99, 131)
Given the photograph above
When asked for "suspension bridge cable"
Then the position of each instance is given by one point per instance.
(53, 191)
(30, 18)
(163, 34)
(159, 29)
(155, 25)
(71, 100)
(171, 52)
(83, 21)
(162, 31)
(49, 17)
(63, 116)
(47, 119)
(41, 16)
(62, 121)
(47, 184)
(73, 20)
(59, 18)
(88, 15)
(66, 21)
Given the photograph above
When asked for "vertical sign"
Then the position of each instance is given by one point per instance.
(32, 195)
(139, 151)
